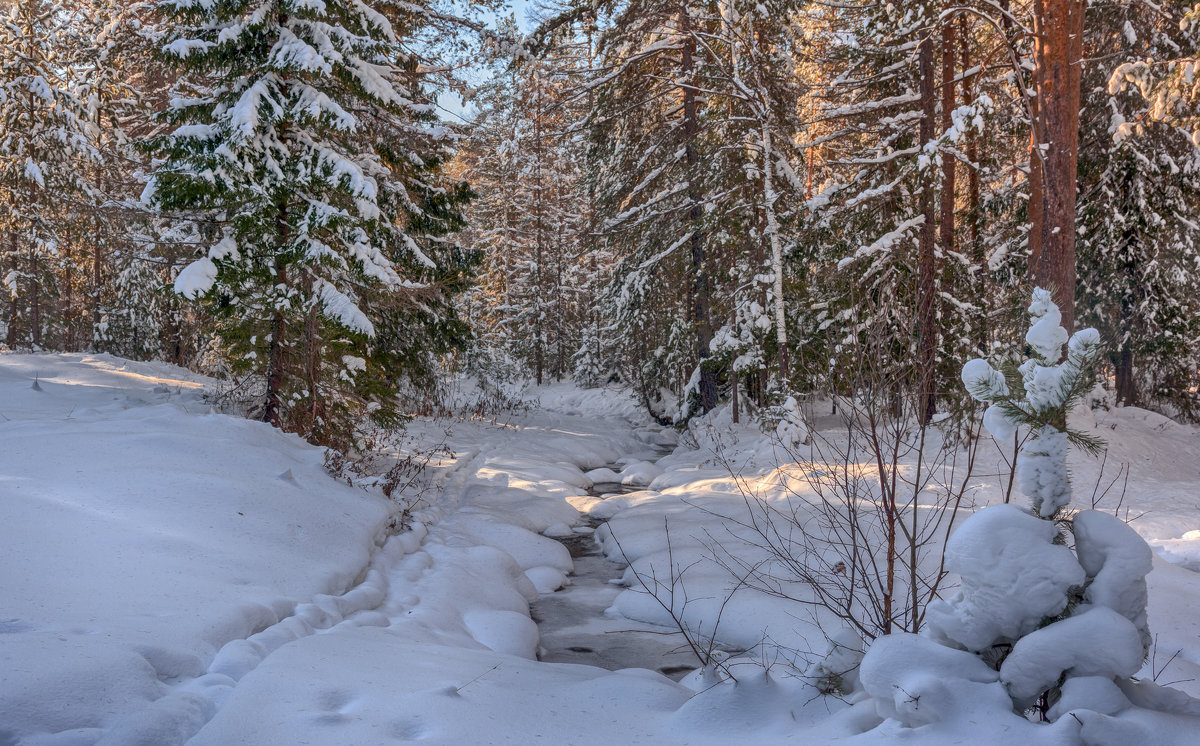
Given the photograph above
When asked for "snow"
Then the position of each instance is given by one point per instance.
(1117, 561)
(142, 534)
(1095, 693)
(341, 308)
(983, 380)
(947, 683)
(603, 475)
(1041, 469)
(197, 278)
(1097, 642)
(33, 172)
(1013, 574)
(1046, 336)
(639, 474)
(175, 575)
(998, 424)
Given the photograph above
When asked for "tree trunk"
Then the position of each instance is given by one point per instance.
(1058, 49)
(538, 320)
(1126, 388)
(96, 277)
(67, 307)
(702, 323)
(277, 352)
(776, 256)
(977, 252)
(926, 259)
(948, 162)
(14, 308)
(273, 410)
(35, 300)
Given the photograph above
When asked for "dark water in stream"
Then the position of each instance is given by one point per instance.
(575, 629)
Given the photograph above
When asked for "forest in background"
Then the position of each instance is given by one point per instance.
(704, 201)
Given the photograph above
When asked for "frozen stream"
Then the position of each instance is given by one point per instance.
(575, 627)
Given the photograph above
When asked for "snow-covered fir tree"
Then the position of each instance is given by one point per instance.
(692, 110)
(1166, 78)
(1138, 241)
(754, 113)
(305, 127)
(530, 217)
(122, 83)
(44, 142)
(892, 131)
(651, 175)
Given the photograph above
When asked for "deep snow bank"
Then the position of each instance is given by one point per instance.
(140, 533)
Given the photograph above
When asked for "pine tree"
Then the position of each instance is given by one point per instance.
(1138, 243)
(651, 165)
(305, 128)
(44, 139)
(529, 217)
(752, 98)
(122, 84)
(896, 284)
(131, 327)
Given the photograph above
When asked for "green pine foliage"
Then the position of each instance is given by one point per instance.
(1139, 246)
(304, 129)
(530, 220)
(44, 141)
(867, 216)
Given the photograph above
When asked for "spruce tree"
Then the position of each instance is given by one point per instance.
(44, 139)
(304, 127)
(1138, 244)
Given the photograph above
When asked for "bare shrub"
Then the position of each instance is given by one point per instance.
(853, 524)
(394, 464)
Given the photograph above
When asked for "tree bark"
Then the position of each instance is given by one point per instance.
(701, 311)
(14, 308)
(977, 251)
(35, 300)
(273, 410)
(1126, 387)
(926, 258)
(277, 351)
(776, 256)
(539, 354)
(949, 164)
(1058, 49)
(97, 276)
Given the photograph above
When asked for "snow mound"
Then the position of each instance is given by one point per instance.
(639, 474)
(145, 539)
(1014, 575)
(946, 684)
(1117, 560)
(1097, 642)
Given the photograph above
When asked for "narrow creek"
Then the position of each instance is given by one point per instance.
(575, 628)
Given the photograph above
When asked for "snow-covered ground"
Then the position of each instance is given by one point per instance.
(171, 575)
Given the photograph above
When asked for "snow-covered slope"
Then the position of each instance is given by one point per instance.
(169, 575)
(139, 534)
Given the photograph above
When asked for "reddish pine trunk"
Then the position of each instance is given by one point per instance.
(948, 162)
(926, 260)
(1058, 49)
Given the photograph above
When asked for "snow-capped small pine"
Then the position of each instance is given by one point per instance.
(1037, 395)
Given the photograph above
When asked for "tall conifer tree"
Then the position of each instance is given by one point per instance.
(304, 126)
